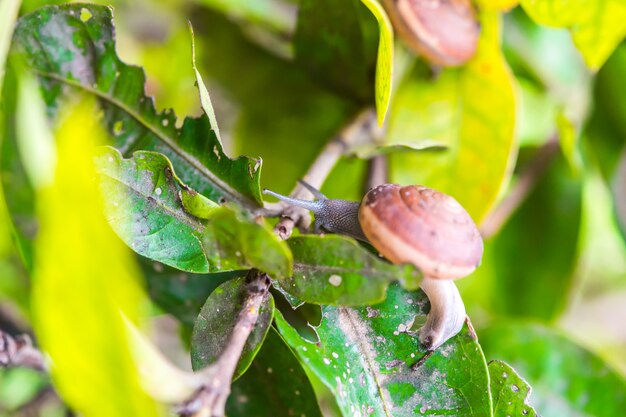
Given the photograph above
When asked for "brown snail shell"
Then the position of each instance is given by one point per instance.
(444, 31)
(423, 227)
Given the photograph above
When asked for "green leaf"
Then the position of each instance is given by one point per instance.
(237, 242)
(597, 27)
(159, 217)
(567, 380)
(274, 385)
(461, 103)
(510, 391)
(81, 262)
(384, 62)
(334, 269)
(365, 356)
(82, 58)
(330, 41)
(217, 320)
(153, 222)
(205, 99)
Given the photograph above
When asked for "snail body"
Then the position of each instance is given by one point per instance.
(415, 225)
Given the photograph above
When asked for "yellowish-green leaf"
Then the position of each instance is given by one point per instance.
(471, 111)
(384, 62)
(568, 138)
(597, 26)
(85, 281)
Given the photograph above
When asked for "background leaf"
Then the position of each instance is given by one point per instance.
(335, 270)
(474, 132)
(8, 15)
(365, 356)
(216, 321)
(333, 41)
(596, 26)
(543, 236)
(566, 379)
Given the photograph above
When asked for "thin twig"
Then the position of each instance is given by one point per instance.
(210, 399)
(525, 184)
(378, 171)
(18, 351)
(351, 134)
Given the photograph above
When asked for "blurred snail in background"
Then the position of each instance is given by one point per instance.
(415, 225)
(444, 31)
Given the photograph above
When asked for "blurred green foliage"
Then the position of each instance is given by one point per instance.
(284, 77)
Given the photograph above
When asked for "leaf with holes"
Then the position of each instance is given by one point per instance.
(72, 49)
(510, 391)
(457, 110)
(216, 322)
(597, 27)
(334, 269)
(149, 208)
(365, 356)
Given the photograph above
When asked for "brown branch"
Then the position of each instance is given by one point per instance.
(210, 399)
(18, 351)
(525, 184)
(351, 134)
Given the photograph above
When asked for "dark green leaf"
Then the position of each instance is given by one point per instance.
(330, 42)
(333, 269)
(274, 385)
(510, 391)
(567, 380)
(179, 293)
(217, 319)
(365, 356)
(81, 57)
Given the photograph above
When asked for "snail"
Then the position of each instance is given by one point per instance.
(415, 225)
(444, 31)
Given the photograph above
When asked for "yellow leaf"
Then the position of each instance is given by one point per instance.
(473, 113)
(85, 279)
(384, 62)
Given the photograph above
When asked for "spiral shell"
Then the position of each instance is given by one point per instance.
(423, 227)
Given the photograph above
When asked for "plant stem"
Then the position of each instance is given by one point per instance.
(377, 171)
(525, 184)
(293, 216)
(18, 351)
(210, 399)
